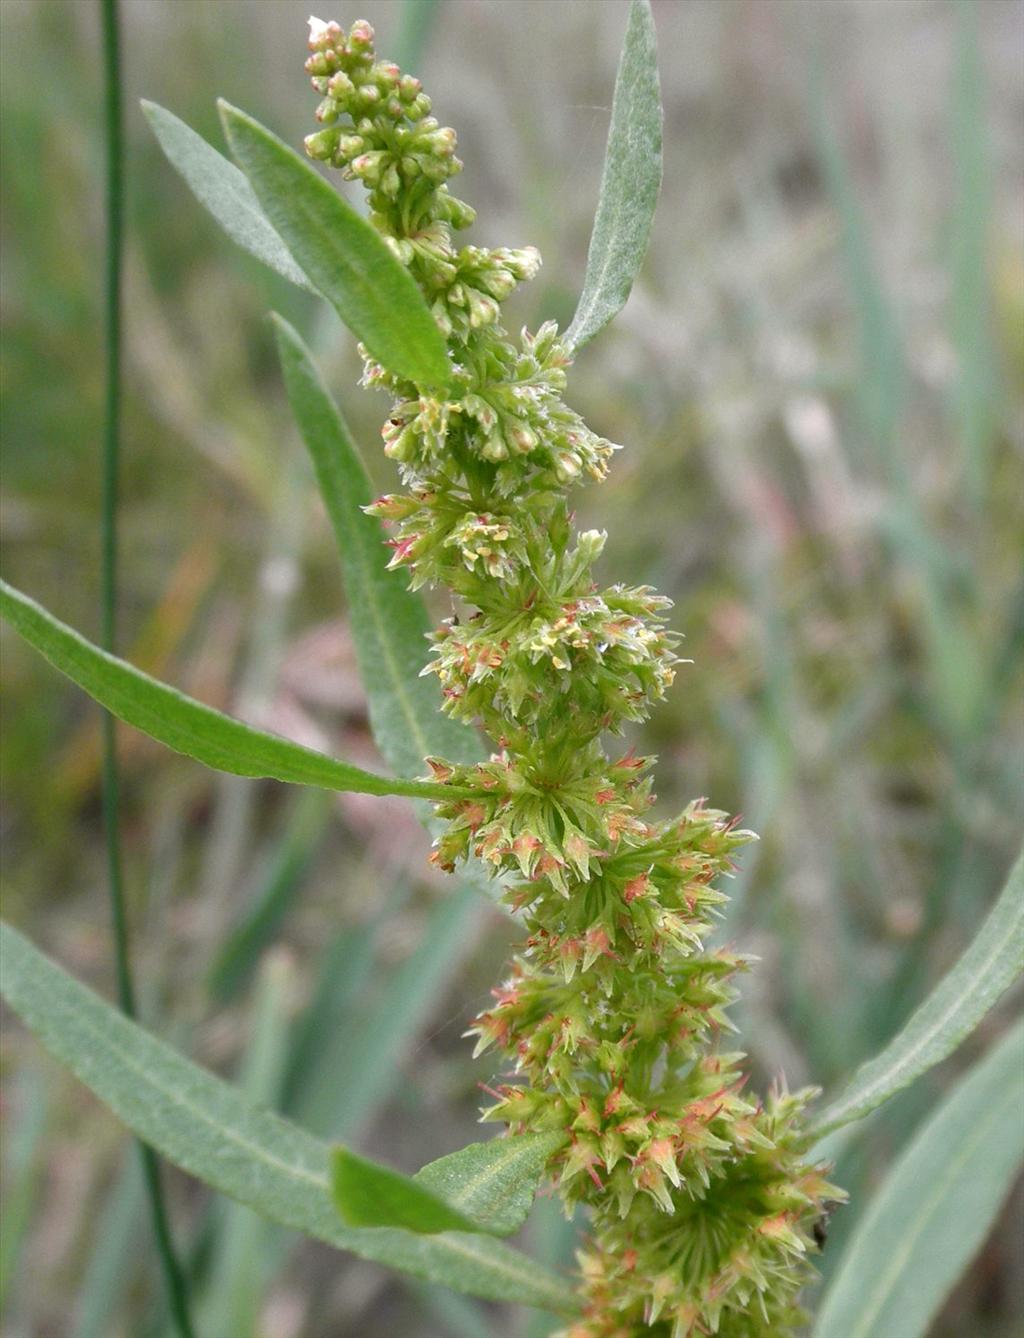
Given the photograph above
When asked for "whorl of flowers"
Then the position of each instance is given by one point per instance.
(612, 1018)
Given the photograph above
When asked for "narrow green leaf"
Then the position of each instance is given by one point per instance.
(483, 1187)
(223, 191)
(185, 725)
(211, 1130)
(630, 182)
(370, 1195)
(954, 1008)
(389, 621)
(344, 256)
(493, 1183)
(935, 1208)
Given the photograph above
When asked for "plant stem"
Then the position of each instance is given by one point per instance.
(173, 1274)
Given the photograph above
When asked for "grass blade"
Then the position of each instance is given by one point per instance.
(212, 1131)
(389, 621)
(951, 1012)
(934, 1210)
(223, 191)
(630, 182)
(174, 1277)
(342, 254)
(186, 725)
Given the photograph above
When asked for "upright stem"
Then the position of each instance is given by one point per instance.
(173, 1274)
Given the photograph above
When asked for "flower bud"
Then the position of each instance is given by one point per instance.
(360, 36)
(340, 86)
(457, 212)
(350, 146)
(494, 448)
(387, 74)
(318, 64)
(368, 166)
(522, 437)
(322, 144)
(323, 35)
(482, 309)
(566, 467)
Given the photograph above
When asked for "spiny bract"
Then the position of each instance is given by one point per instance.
(611, 1019)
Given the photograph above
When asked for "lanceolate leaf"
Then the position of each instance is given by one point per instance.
(389, 621)
(935, 1208)
(223, 190)
(183, 724)
(212, 1131)
(483, 1187)
(341, 253)
(629, 183)
(494, 1183)
(986, 970)
(370, 1195)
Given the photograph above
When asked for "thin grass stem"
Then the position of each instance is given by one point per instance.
(174, 1277)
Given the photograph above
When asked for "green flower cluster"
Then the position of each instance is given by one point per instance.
(612, 1017)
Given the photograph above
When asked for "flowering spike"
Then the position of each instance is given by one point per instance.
(702, 1206)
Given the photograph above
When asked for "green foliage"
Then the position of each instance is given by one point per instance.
(483, 1187)
(370, 1195)
(629, 183)
(389, 623)
(185, 725)
(221, 188)
(935, 1207)
(342, 254)
(982, 975)
(493, 1182)
(213, 1131)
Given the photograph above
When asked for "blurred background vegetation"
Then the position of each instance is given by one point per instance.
(819, 384)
